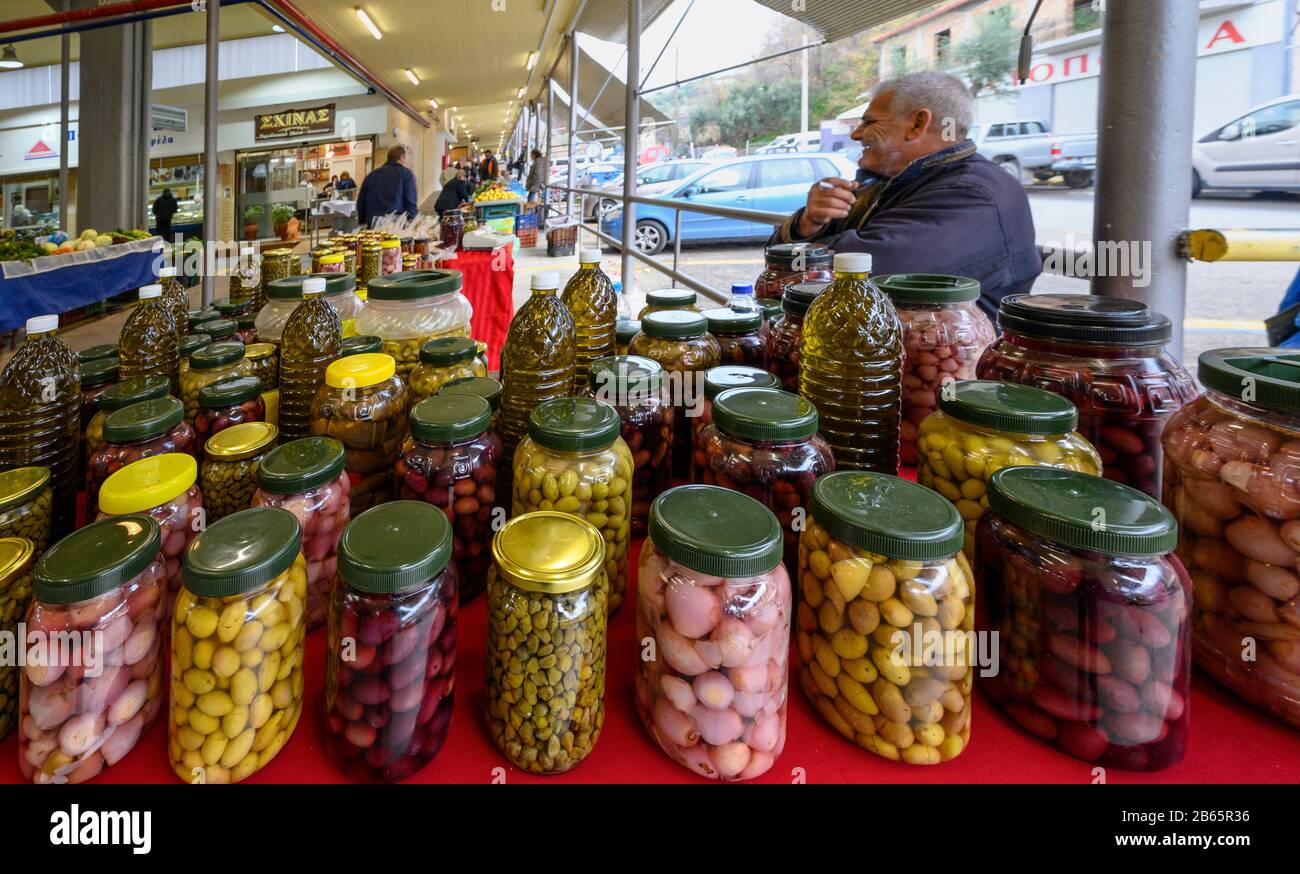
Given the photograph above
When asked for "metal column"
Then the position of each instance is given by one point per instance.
(631, 139)
(550, 120)
(574, 55)
(1144, 187)
(65, 84)
(211, 201)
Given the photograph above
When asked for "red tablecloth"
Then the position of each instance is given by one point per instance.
(490, 287)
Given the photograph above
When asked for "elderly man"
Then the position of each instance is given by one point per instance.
(924, 201)
(389, 190)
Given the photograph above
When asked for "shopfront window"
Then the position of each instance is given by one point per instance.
(30, 204)
(183, 176)
(300, 178)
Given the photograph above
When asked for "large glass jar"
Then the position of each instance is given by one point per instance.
(791, 264)
(264, 360)
(190, 344)
(681, 344)
(148, 343)
(120, 396)
(886, 617)
(213, 364)
(284, 295)
(441, 362)
(1093, 622)
(165, 487)
(546, 589)
(592, 302)
(25, 505)
(312, 339)
(740, 334)
(1232, 478)
(944, 334)
(625, 332)
(634, 388)
(716, 381)
(851, 367)
(363, 405)
(276, 264)
(1107, 356)
(228, 475)
(391, 658)
(450, 460)
(786, 337)
(409, 309)
(15, 593)
(666, 299)
(982, 427)
(574, 461)
(83, 711)
(764, 442)
(306, 477)
(139, 431)
(229, 402)
(714, 597)
(237, 647)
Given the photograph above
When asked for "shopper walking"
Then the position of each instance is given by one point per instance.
(538, 176)
(163, 209)
(389, 190)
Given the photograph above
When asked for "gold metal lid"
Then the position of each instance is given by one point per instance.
(548, 552)
(15, 553)
(258, 351)
(241, 441)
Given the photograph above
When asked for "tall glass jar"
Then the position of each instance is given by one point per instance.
(237, 647)
(139, 431)
(786, 338)
(546, 589)
(851, 367)
(886, 617)
(215, 363)
(634, 388)
(714, 597)
(228, 475)
(306, 477)
(1093, 622)
(452, 226)
(148, 343)
(15, 593)
(25, 506)
(120, 396)
(441, 362)
(944, 334)
(391, 657)
(791, 264)
(409, 309)
(229, 402)
(284, 295)
(592, 302)
(666, 299)
(312, 339)
(681, 344)
(369, 263)
(363, 405)
(740, 334)
(764, 442)
(716, 381)
(1107, 356)
(84, 708)
(264, 360)
(246, 278)
(450, 460)
(276, 264)
(574, 461)
(190, 344)
(177, 297)
(390, 257)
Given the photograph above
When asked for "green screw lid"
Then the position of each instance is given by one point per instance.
(217, 355)
(229, 392)
(132, 391)
(716, 531)
(363, 345)
(415, 285)
(764, 414)
(729, 376)
(247, 320)
(480, 386)
(930, 288)
(671, 297)
(94, 353)
(242, 551)
(207, 314)
(96, 559)
(574, 425)
(1109, 321)
(192, 343)
(300, 465)
(220, 329)
(675, 325)
(290, 287)
(450, 418)
(1262, 377)
(618, 377)
(625, 330)
(230, 309)
(21, 485)
(448, 351)
(98, 372)
(395, 546)
(771, 309)
(888, 516)
(785, 256)
(1082, 511)
(729, 323)
(1002, 406)
(143, 421)
(796, 299)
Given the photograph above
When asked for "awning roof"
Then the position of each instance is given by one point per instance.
(610, 110)
(836, 19)
(607, 19)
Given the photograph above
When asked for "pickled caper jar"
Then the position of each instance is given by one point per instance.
(119, 396)
(368, 268)
(213, 364)
(546, 594)
(190, 344)
(667, 299)
(363, 405)
(237, 647)
(443, 361)
(982, 427)
(264, 359)
(95, 353)
(361, 345)
(276, 264)
(624, 332)
(228, 476)
(25, 502)
(575, 461)
(15, 591)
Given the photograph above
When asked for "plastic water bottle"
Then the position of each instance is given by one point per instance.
(742, 298)
(624, 308)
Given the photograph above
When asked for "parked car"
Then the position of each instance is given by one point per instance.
(768, 183)
(790, 143)
(1028, 146)
(1259, 151)
(650, 180)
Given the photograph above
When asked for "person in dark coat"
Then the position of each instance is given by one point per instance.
(388, 190)
(163, 209)
(490, 169)
(924, 200)
(455, 193)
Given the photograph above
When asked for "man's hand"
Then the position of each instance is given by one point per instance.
(829, 200)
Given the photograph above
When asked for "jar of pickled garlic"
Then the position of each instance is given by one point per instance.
(213, 364)
(982, 427)
(442, 361)
(740, 334)
(716, 381)
(84, 706)
(15, 593)
(714, 597)
(166, 488)
(139, 431)
(666, 299)
(634, 388)
(786, 336)
(575, 461)
(944, 334)
(625, 330)
(328, 263)
(228, 475)
(791, 264)
(367, 345)
(1092, 612)
(190, 344)
(395, 606)
(264, 360)
(546, 590)
(306, 477)
(886, 617)
(237, 647)
(26, 503)
(764, 442)
(1107, 356)
(119, 396)
(409, 309)
(229, 402)
(390, 257)
(681, 344)
(1231, 477)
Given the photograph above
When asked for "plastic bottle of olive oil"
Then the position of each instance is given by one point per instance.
(313, 337)
(538, 360)
(148, 344)
(592, 302)
(176, 298)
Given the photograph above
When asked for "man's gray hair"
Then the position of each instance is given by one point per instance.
(946, 96)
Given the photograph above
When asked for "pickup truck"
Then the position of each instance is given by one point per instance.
(1029, 147)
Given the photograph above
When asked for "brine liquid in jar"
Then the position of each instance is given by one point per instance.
(592, 302)
(312, 338)
(149, 344)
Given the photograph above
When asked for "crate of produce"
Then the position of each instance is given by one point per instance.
(561, 237)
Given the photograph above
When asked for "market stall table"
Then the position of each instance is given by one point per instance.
(489, 285)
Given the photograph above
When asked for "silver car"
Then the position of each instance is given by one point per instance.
(1259, 151)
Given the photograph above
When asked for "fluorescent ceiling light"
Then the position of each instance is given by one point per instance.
(9, 59)
(277, 28)
(415, 80)
(522, 91)
(370, 25)
(433, 103)
(532, 60)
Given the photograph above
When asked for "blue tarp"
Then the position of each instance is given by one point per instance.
(77, 285)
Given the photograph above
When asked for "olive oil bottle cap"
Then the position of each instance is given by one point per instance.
(315, 285)
(149, 292)
(42, 324)
(852, 262)
(166, 272)
(590, 256)
(547, 280)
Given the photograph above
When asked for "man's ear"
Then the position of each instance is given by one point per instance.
(919, 124)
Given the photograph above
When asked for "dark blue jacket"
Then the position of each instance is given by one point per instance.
(385, 191)
(954, 212)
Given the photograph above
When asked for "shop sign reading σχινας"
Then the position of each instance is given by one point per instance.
(294, 123)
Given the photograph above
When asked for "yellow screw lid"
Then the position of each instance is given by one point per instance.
(391, 244)
(241, 441)
(15, 553)
(148, 483)
(360, 371)
(258, 351)
(548, 552)
(331, 259)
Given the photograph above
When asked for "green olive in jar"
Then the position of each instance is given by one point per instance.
(15, 592)
(443, 361)
(26, 502)
(228, 476)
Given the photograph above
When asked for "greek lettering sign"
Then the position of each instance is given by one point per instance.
(292, 123)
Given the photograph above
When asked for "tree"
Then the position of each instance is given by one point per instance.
(989, 55)
(751, 110)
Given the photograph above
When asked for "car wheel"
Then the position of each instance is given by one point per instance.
(651, 237)
(1197, 185)
(604, 208)
(1011, 165)
(1078, 178)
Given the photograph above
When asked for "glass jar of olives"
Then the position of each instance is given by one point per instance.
(409, 309)
(229, 402)
(247, 333)
(740, 335)
(222, 330)
(119, 396)
(681, 344)
(634, 388)
(139, 431)
(625, 330)
(791, 264)
(785, 339)
(367, 345)
(15, 592)
(264, 360)
(481, 387)
(284, 295)
(25, 505)
(196, 319)
(666, 299)
(213, 364)
(716, 381)
(228, 475)
(190, 344)
(442, 361)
